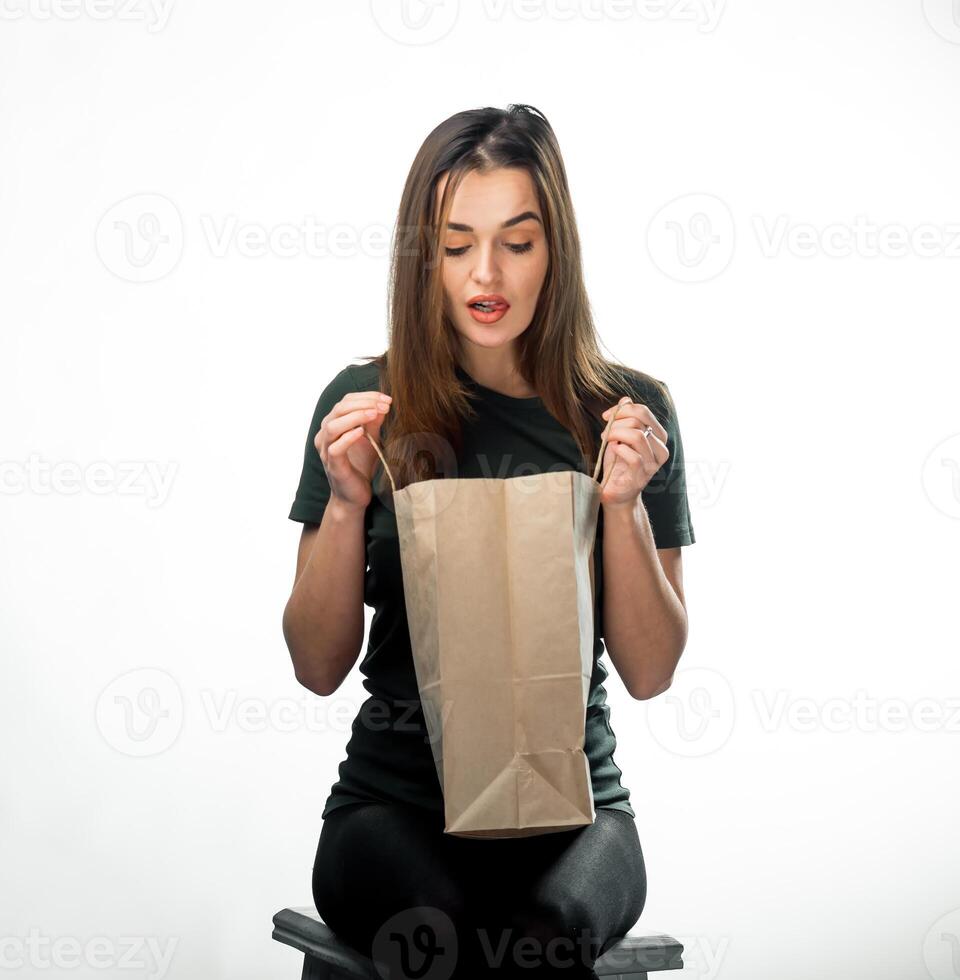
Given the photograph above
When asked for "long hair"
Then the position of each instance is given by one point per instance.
(559, 353)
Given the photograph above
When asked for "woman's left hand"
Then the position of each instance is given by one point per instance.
(636, 448)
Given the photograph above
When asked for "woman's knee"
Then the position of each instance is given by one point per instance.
(426, 939)
(396, 927)
(554, 929)
(376, 870)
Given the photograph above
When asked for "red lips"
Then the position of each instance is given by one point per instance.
(494, 299)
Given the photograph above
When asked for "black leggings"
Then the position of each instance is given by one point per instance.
(390, 883)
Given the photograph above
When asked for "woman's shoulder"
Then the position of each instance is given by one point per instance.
(644, 388)
(355, 377)
(366, 377)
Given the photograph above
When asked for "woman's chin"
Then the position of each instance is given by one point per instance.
(487, 335)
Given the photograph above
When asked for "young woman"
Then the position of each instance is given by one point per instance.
(493, 369)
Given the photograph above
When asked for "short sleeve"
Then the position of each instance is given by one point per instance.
(313, 491)
(665, 496)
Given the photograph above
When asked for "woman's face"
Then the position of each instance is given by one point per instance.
(493, 247)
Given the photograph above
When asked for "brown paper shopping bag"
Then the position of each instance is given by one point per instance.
(498, 578)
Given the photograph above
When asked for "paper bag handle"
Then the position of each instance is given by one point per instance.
(603, 444)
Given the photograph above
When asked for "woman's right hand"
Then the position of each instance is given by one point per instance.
(345, 452)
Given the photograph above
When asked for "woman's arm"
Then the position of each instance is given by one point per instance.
(323, 619)
(644, 613)
(645, 505)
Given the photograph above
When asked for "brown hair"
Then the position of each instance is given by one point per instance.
(559, 353)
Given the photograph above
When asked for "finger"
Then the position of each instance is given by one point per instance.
(640, 414)
(359, 396)
(629, 430)
(360, 399)
(366, 394)
(616, 455)
(361, 415)
(334, 428)
(659, 453)
(643, 415)
(337, 451)
(621, 414)
(623, 405)
(630, 456)
(610, 457)
(639, 445)
(354, 400)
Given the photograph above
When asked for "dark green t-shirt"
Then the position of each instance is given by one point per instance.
(388, 756)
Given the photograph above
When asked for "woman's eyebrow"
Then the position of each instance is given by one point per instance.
(509, 223)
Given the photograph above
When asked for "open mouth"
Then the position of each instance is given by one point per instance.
(489, 305)
(488, 308)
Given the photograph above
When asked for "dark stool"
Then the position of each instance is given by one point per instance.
(327, 958)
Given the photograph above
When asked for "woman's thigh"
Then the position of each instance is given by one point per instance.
(564, 899)
(378, 865)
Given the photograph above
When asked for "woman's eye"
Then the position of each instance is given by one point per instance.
(516, 249)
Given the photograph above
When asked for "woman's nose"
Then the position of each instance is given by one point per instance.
(485, 269)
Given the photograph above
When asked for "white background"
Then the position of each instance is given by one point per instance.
(796, 788)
